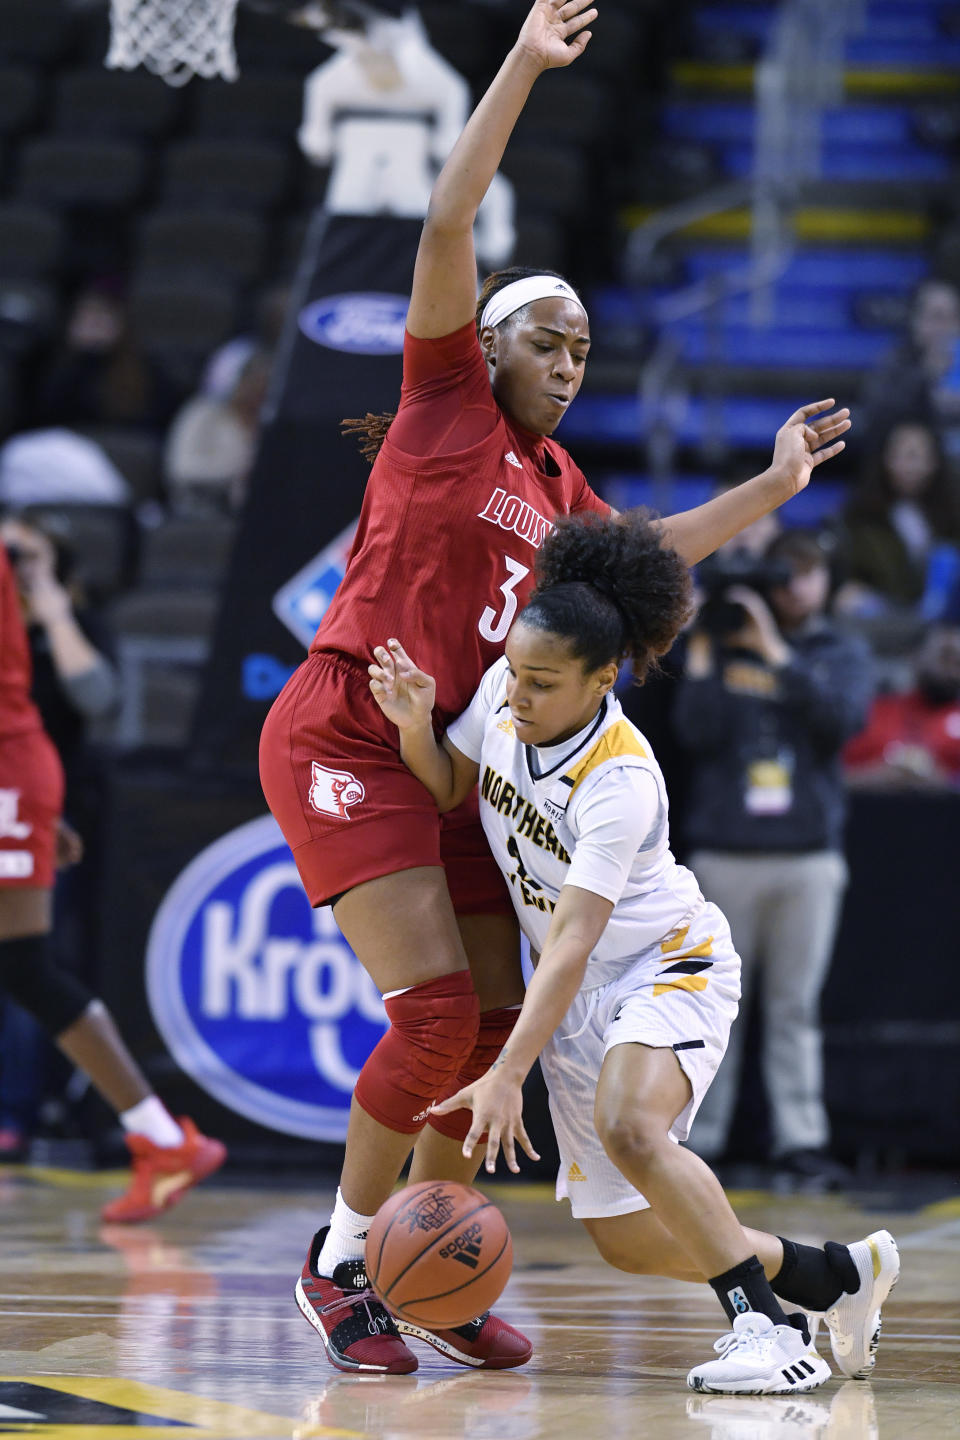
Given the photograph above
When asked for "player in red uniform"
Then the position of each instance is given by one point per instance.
(465, 484)
(168, 1156)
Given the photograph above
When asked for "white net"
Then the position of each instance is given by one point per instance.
(176, 39)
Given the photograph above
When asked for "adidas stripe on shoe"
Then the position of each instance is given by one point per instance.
(760, 1358)
(357, 1331)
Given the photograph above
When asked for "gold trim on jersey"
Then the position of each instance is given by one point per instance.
(686, 982)
(687, 962)
(704, 948)
(620, 739)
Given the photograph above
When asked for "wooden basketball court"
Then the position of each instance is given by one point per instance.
(189, 1327)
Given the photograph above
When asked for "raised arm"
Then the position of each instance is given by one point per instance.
(406, 696)
(801, 444)
(444, 291)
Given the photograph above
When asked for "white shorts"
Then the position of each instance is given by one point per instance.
(680, 994)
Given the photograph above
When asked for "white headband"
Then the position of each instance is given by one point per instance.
(522, 292)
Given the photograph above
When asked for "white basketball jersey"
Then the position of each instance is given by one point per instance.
(590, 812)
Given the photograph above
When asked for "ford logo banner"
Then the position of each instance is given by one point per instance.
(363, 324)
(259, 998)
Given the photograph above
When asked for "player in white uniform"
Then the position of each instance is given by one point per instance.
(637, 980)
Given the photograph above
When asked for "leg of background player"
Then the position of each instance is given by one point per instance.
(801, 947)
(168, 1159)
(92, 1041)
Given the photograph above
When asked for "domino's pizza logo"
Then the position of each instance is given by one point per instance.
(363, 323)
(258, 997)
(301, 603)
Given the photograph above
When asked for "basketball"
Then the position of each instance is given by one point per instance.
(439, 1254)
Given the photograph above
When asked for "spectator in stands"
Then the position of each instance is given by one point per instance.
(221, 370)
(650, 705)
(920, 379)
(100, 375)
(912, 740)
(74, 682)
(212, 442)
(900, 528)
(58, 467)
(771, 692)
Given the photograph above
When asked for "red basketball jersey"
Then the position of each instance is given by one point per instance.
(458, 502)
(18, 714)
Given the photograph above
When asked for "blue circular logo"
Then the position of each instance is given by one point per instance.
(364, 324)
(258, 997)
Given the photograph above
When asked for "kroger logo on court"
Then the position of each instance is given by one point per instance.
(365, 324)
(257, 996)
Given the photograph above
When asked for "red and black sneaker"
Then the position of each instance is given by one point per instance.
(359, 1333)
(487, 1343)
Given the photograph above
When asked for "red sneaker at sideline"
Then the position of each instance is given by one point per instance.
(162, 1175)
(487, 1343)
(358, 1332)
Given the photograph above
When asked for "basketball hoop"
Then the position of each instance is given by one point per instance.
(175, 39)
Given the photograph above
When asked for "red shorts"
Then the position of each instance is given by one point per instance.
(349, 808)
(31, 802)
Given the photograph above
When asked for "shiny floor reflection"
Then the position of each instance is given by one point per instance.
(189, 1325)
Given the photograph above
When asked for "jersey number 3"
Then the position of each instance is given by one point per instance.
(494, 625)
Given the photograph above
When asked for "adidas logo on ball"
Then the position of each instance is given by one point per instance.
(465, 1247)
(413, 1239)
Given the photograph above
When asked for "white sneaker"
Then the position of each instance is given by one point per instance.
(854, 1321)
(760, 1358)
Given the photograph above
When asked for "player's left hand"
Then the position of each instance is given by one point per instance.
(497, 1105)
(69, 846)
(804, 442)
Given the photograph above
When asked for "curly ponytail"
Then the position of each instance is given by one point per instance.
(372, 429)
(612, 588)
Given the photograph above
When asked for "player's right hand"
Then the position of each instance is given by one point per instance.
(553, 33)
(497, 1105)
(405, 694)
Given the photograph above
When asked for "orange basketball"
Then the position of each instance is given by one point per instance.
(439, 1254)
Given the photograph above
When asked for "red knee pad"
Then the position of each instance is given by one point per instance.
(433, 1031)
(496, 1027)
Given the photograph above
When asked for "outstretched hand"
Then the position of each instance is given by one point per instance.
(799, 445)
(553, 33)
(405, 694)
(497, 1105)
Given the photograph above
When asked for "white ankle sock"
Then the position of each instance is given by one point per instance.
(152, 1118)
(345, 1238)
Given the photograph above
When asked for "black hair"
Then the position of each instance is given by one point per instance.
(613, 588)
(372, 429)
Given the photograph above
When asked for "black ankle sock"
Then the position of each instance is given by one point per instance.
(744, 1288)
(815, 1278)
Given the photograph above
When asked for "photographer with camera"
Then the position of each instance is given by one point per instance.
(770, 693)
